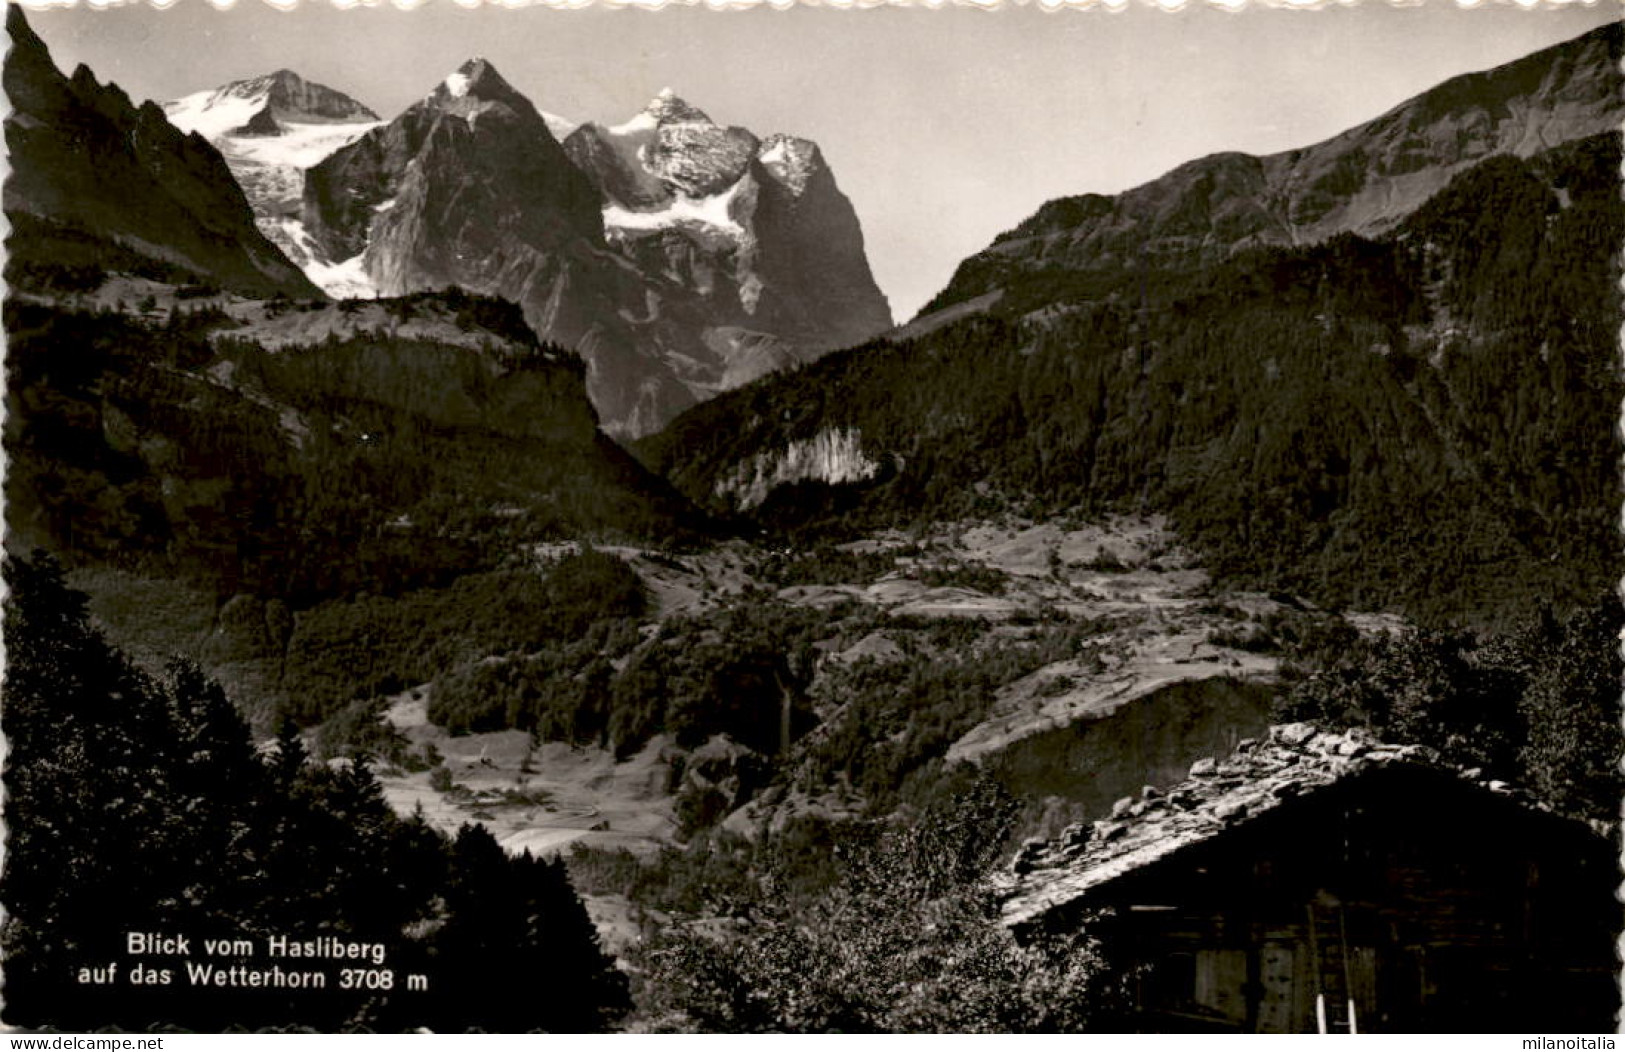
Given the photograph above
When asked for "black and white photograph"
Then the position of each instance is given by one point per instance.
(792, 519)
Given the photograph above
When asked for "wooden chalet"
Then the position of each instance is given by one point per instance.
(1325, 881)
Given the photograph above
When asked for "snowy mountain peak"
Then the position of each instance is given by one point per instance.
(269, 130)
(263, 105)
(475, 79)
(666, 110)
(667, 107)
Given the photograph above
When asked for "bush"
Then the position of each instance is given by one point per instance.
(907, 939)
(1537, 706)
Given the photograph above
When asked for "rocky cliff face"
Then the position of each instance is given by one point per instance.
(816, 284)
(1363, 181)
(756, 230)
(89, 167)
(834, 456)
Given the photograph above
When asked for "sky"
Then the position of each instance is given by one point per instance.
(944, 126)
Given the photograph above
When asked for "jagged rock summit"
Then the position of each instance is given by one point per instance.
(1296, 761)
(757, 229)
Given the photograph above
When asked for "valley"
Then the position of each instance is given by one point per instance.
(1140, 619)
(1086, 632)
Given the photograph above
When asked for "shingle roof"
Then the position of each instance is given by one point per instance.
(1295, 761)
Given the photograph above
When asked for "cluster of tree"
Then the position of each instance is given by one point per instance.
(896, 719)
(140, 804)
(1422, 422)
(905, 938)
(731, 672)
(376, 644)
(1537, 706)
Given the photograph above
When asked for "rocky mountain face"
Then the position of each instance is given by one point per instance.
(756, 229)
(183, 402)
(831, 457)
(679, 257)
(269, 130)
(468, 187)
(308, 450)
(1363, 181)
(96, 179)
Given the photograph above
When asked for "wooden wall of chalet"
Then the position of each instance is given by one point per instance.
(1436, 905)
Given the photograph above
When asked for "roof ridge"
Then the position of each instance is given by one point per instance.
(1258, 776)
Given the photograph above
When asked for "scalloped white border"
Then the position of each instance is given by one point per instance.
(1171, 6)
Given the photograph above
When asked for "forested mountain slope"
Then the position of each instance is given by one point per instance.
(365, 460)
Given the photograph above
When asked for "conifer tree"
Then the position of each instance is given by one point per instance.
(138, 804)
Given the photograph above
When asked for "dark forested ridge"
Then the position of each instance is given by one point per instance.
(366, 462)
(1419, 422)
